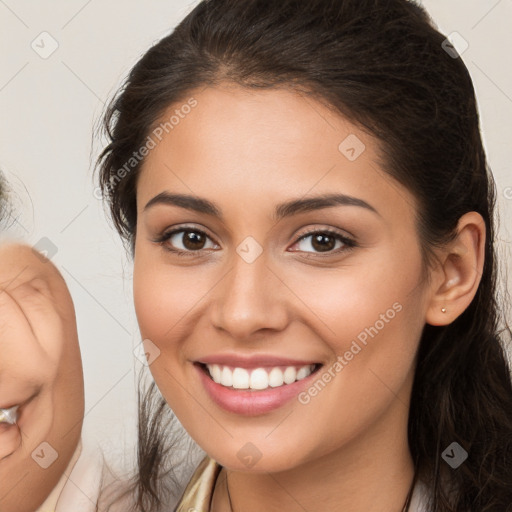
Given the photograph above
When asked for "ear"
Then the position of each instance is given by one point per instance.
(459, 272)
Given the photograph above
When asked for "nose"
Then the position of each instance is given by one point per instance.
(250, 299)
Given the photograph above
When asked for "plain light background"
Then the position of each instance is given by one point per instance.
(49, 107)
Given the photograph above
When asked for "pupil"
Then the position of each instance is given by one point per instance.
(193, 240)
(319, 242)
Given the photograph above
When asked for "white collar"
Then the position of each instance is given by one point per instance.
(50, 503)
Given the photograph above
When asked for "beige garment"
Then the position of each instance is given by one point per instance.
(79, 488)
(50, 504)
(198, 494)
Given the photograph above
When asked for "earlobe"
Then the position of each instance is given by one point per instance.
(462, 262)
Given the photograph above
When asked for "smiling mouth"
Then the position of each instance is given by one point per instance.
(257, 379)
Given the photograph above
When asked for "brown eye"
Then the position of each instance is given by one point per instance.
(193, 240)
(323, 241)
(186, 241)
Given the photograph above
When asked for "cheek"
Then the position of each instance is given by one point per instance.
(372, 325)
(373, 291)
(167, 298)
(371, 316)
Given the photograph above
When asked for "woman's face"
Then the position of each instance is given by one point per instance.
(299, 253)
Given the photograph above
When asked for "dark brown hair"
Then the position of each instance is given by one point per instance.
(6, 219)
(383, 65)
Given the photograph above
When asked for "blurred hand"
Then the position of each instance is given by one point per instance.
(41, 372)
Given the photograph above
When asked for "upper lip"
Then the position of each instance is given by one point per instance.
(253, 361)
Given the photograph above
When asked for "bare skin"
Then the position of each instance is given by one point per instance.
(40, 369)
(346, 448)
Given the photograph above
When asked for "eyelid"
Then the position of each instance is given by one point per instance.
(328, 230)
(186, 227)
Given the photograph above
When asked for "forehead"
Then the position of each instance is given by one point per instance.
(253, 148)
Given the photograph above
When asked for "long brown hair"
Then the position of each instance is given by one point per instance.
(383, 65)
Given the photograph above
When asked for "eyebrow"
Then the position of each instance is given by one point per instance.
(286, 209)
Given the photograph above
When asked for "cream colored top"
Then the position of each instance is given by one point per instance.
(50, 504)
(79, 488)
(198, 494)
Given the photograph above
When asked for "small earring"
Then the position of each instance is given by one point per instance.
(443, 310)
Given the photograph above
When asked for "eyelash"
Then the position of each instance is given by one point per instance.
(347, 242)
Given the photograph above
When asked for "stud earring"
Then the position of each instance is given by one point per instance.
(443, 310)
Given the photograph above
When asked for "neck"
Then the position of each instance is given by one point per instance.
(372, 473)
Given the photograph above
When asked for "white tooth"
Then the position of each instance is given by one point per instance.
(240, 378)
(226, 378)
(303, 372)
(276, 378)
(259, 379)
(216, 373)
(290, 375)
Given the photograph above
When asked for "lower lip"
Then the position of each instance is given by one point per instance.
(252, 403)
